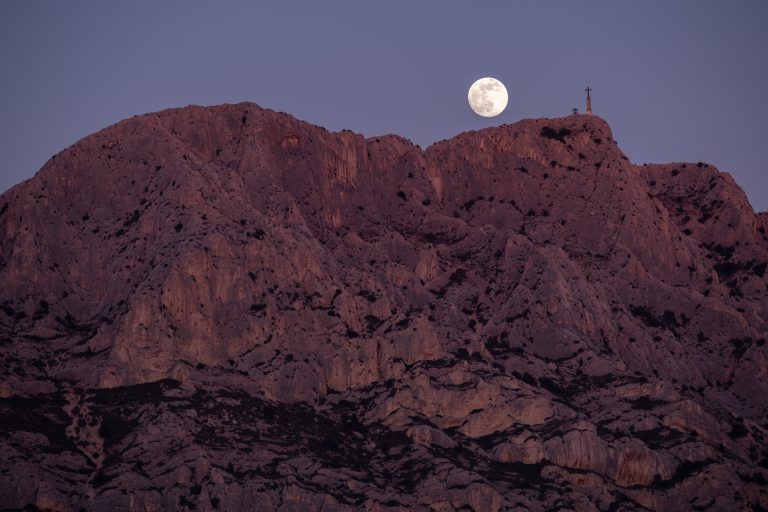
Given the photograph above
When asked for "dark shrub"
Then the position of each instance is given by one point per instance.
(551, 133)
(458, 276)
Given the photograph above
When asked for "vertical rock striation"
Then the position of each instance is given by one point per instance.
(225, 308)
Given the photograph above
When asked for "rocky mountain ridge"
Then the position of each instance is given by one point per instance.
(207, 308)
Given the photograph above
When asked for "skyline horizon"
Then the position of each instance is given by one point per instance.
(676, 81)
(422, 147)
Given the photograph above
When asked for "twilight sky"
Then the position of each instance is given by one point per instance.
(677, 80)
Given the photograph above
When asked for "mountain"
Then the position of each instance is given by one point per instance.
(227, 308)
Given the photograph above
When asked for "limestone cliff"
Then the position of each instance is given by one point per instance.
(227, 308)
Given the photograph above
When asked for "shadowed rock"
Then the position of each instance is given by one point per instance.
(209, 308)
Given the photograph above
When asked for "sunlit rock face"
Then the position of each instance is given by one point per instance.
(226, 308)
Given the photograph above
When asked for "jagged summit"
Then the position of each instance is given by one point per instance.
(515, 317)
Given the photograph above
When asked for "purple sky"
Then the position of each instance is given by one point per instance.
(676, 80)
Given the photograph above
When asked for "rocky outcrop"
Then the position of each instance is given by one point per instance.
(226, 308)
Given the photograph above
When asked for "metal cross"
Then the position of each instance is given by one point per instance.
(588, 89)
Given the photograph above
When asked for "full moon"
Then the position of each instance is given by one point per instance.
(487, 97)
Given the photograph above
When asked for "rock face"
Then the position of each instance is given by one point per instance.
(226, 308)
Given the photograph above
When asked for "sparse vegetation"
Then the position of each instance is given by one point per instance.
(551, 133)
